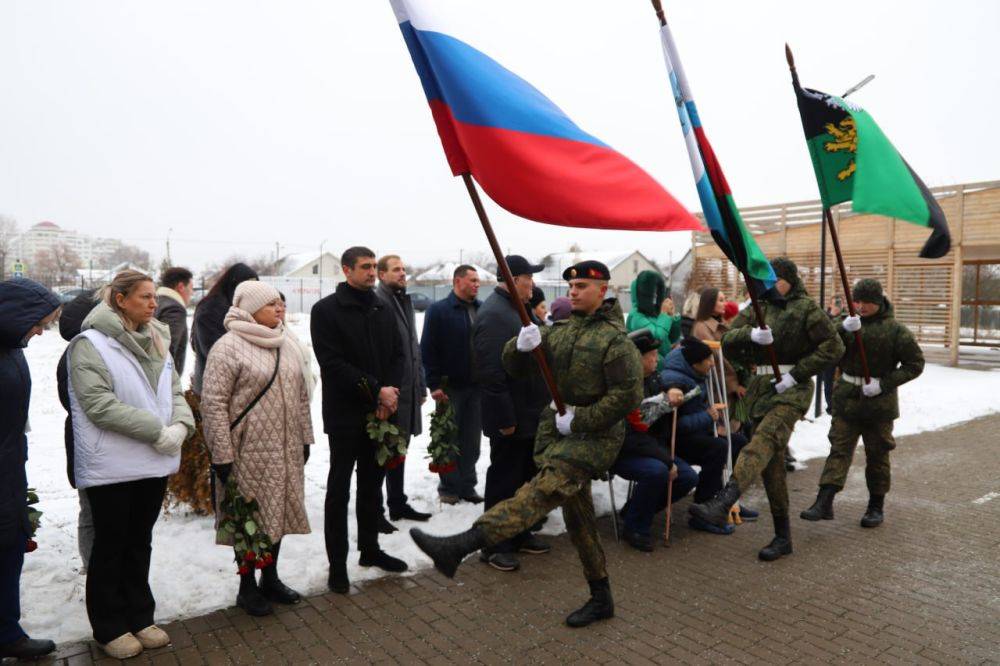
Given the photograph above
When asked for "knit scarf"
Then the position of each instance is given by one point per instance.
(243, 324)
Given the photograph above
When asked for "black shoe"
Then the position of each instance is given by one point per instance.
(600, 606)
(409, 513)
(383, 561)
(500, 561)
(274, 590)
(533, 545)
(822, 508)
(748, 515)
(385, 527)
(874, 515)
(789, 461)
(642, 542)
(474, 498)
(250, 598)
(338, 582)
(27, 648)
(781, 544)
(448, 551)
(716, 510)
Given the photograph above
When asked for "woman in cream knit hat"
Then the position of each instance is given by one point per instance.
(267, 449)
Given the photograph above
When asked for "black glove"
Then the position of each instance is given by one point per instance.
(305, 454)
(222, 472)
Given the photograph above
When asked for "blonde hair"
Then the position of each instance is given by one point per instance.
(124, 283)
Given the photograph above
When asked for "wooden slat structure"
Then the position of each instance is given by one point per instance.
(927, 294)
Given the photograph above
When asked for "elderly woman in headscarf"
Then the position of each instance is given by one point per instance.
(255, 410)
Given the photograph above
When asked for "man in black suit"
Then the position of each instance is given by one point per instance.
(360, 356)
(391, 290)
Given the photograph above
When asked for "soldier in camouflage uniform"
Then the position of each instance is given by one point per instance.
(805, 342)
(867, 410)
(599, 374)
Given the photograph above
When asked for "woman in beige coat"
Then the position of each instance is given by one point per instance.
(267, 449)
(708, 325)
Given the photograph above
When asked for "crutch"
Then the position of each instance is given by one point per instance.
(718, 396)
(670, 480)
(614, 507)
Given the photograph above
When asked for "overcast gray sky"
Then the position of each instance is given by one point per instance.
(240, 123)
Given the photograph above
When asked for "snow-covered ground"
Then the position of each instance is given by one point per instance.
(190, 575)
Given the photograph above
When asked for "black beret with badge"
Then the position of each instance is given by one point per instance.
(587, 270)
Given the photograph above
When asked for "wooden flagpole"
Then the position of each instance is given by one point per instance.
(522, 312)
(835, 240)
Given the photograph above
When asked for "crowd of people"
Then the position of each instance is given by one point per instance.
(247, 414)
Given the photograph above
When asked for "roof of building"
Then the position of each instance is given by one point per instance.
(46, 225)
(557, 262)
(294, 262)
(445, 272)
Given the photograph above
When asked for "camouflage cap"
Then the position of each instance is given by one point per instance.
(868, 290)
(785, 269)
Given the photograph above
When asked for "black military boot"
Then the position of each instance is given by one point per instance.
(716, 510)
(249, 597)
(822, 508)
(272, 587)
(873, 516)
(448, 551)
(27, 648)
(600, 606)
(781, 544)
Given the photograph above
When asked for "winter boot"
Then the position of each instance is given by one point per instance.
(600, 606)
(822, 508)
(716, 510)
(781, 544)
(873, 516)
(250, 599)
(272, 587)
(449, 551)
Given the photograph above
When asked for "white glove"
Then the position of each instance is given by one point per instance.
(852, 324)
(872, 388)
(529, 338)
(171, 439)
(761, 336)
(564, 421)
(787, 382)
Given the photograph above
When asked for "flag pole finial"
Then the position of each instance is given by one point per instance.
(658, 7)
(789, 57)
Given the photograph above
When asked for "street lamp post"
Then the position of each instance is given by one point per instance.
(321, 267)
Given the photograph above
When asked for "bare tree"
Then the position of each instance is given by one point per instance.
(8, 232)
(57, 264)
(130, 254)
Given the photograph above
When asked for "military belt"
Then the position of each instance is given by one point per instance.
(851, 379)
(767, 370)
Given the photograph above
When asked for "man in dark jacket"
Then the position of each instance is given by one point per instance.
(391, 291)
(26, 310)
(360, 356)
(645, 455)
(511, 407)
(446, 349)
(70, 323)
(698, 440)
(172, 299)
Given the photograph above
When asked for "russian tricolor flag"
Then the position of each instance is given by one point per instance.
(521, 148)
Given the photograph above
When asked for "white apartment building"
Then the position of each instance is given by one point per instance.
(47, 235)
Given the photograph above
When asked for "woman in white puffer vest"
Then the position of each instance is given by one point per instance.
(129, 422)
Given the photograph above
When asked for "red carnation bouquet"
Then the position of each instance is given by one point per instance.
(239, 523)
(35, 518)
(443, 448)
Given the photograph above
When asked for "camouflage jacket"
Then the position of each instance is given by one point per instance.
(599, 372)
(893, 356)
(804, 337)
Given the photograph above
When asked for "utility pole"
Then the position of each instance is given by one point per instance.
(321, 267)
(169, 231)
(277, 256)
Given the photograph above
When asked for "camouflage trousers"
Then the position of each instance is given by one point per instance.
(764, 456)
(556, 484)
(878, 440)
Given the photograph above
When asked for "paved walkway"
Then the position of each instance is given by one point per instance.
(924, 588)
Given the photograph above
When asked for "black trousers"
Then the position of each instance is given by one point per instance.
(512, 464)
(119, 599)
(709, 453)
(346, 451)
(395, 497)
